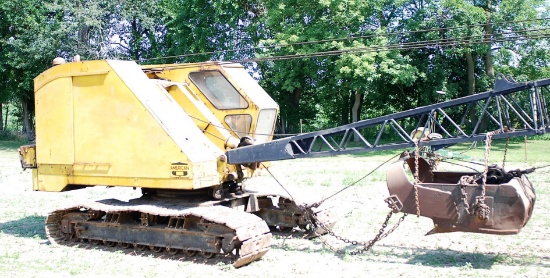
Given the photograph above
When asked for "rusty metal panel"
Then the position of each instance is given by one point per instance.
(27, 156)
(453, 206)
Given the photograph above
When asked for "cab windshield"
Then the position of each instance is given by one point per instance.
(218, 90)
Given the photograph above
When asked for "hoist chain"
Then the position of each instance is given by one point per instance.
(313, 222)
(505, 152)
(366, 245)
(481, 210)
(416, 177)
(465, 181)
(488, 139)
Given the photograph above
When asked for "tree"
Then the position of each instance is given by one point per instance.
(212, 28)
(140, 28)
(25, 50)
(340, 82)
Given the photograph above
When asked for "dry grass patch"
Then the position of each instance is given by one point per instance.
(25, 251)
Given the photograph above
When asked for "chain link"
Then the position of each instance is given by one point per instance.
(488, 139)
(313, 222)
(505, 152)
(366, 245)
(416, 177)
(464, 182)
(480, 209)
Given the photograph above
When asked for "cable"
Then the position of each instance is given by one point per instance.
(405, 46)
(471, 168)
(230, 130)
(360, 179)
(280, 184)
(343, 39)
(483, 39)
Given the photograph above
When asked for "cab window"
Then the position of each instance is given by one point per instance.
(218, 90)
(240, 124)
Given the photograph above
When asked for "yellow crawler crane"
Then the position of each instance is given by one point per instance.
(164, 129)
(189, 135)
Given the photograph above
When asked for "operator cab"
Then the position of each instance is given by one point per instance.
(230, 93)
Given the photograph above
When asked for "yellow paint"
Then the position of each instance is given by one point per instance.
(27, 155)
(257, 99)
(108, 123)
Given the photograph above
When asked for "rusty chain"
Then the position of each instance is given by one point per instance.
(366, 245)
(313, 221)
(488, 140)
(505, 152)
(416, 177)
(465, 181)
(482, 210)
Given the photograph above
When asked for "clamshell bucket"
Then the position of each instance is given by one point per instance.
(455, 200)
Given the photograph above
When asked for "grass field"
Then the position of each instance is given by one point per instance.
(25, 251)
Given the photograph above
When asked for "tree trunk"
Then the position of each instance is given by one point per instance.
(1, 119)
(295, 101)
(135, 40)
(27, 127)
(345, 109)
(471, 76)
(471, 86)
(282, 124)
(7, 116)
(355, 111)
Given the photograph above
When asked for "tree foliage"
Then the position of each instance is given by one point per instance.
(320, 91)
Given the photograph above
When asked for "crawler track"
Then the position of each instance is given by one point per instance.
(163, 225)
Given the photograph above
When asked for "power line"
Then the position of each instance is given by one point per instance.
(345, 39)
(530, 34)
(461, 41)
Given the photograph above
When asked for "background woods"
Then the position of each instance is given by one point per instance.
(373, 57)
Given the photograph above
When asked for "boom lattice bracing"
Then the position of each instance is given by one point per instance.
(514, 109)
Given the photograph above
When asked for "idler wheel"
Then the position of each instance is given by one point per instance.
(207, 255)
(109, 243)
(124, 245)
(189, 253)
(172, 251)
(155, 249)
(140, 247)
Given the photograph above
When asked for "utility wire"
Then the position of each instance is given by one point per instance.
(404, 46)
(445, 42)
(344, 39)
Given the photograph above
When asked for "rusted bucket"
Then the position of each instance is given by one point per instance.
(452, 199)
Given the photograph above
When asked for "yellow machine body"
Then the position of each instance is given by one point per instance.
(226, 91)
(115, 123)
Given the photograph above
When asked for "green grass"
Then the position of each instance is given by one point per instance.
(533, 151)
(10, 146)
(25, 251)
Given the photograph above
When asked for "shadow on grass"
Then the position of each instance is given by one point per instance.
(443, 258)
(33, 226)
(450, 258)
(30, 226)
(475, 260)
